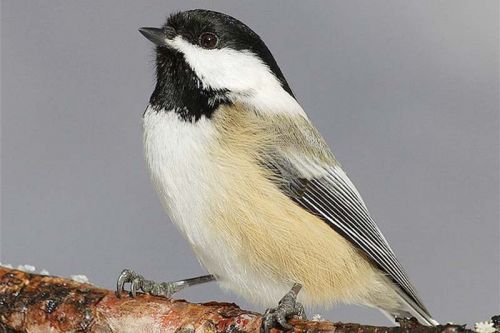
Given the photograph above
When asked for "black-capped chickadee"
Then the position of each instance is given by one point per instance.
(251, 183)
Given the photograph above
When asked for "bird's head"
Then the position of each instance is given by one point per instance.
(204, 58)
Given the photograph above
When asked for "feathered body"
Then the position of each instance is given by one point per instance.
(250, 182)
(244, 230)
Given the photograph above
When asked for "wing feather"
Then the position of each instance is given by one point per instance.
(295, 157)
(327, 192)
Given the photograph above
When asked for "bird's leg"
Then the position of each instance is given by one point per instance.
(167, 289)
(287, 308)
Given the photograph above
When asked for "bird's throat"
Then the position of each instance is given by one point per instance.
(179, 90)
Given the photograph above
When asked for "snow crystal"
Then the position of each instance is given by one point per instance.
(485, 327)
(26, 268)
(317, 317)
(80, 278)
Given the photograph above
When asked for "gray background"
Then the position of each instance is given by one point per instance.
(406, 92)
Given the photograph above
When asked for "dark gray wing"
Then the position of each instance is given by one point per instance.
(327, 192)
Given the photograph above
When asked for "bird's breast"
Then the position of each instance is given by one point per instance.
(177, 154)
(190, 177)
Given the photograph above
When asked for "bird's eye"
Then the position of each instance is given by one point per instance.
(208, 40)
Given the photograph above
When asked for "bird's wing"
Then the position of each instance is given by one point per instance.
(317, 183)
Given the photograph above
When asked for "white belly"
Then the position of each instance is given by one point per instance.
(177, 156)
(186, 178)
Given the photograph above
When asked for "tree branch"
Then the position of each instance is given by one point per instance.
(37, 303)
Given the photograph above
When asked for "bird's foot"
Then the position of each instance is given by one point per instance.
(138, 282)
(166, 289)
(287, 308)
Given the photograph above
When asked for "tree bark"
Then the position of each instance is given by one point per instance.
(37, 303)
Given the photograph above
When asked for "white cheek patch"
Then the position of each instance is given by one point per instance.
(244, 74)
(222, 68)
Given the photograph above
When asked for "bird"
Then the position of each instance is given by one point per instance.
(253, 186)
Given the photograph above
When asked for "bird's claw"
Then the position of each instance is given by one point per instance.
(287, 308)
(139, 283)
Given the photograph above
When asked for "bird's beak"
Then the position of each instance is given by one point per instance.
(156, 35)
